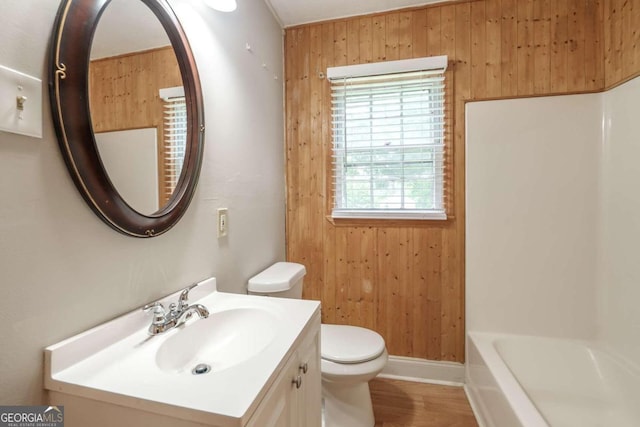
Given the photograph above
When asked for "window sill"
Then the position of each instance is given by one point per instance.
(391, 222)
(389, 215)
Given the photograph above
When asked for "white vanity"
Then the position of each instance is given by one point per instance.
(263, 354)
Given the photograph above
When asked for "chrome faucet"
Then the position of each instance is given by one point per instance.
(178, 313)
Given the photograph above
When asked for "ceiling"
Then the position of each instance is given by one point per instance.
(296, 12)
(114, 34)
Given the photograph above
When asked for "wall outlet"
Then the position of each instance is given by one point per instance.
(223, 222)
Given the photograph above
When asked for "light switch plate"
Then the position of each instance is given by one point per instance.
(15, 86)
(223, 222)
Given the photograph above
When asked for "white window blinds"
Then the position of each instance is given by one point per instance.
(388, 139)
(175, 138)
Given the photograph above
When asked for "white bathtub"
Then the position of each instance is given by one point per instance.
(521, 381)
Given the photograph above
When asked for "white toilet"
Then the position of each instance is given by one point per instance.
(351, 356)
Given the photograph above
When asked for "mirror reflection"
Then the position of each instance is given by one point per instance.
(137, 105)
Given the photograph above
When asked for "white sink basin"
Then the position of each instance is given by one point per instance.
(244, 340)
(224, 339)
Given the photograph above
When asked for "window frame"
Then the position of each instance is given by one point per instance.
(435, 64)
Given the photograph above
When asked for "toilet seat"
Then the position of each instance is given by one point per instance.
(350, 344)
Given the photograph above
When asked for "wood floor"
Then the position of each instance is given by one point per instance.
(410, 404)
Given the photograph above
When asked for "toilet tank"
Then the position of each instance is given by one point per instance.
(282, 279)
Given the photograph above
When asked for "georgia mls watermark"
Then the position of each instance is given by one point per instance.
(31, 416)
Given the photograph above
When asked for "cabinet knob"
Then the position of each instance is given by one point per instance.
(297, 381)
(304, 368)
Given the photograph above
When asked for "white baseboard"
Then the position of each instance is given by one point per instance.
(424, 371)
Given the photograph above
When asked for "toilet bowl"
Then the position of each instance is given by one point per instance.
(351, 355)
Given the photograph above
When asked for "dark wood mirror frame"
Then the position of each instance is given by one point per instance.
(73, 33)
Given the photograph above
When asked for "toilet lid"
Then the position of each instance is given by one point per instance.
(350, 344)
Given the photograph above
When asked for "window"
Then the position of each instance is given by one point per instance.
(174, 140)
(389, 139)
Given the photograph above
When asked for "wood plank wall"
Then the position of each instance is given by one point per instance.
(124, 94)
(622, 40)
(407, 281)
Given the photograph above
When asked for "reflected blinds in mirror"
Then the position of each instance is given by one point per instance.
(175, 138)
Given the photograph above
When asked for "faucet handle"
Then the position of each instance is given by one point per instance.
(183, 300)
(158, 312)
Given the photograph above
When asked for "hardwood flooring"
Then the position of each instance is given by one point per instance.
(410, 404)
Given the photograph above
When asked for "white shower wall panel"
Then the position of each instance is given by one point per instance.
(532, 215)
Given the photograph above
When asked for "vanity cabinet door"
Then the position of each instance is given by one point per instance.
(295, 398)
(279, 407)
(310, 392)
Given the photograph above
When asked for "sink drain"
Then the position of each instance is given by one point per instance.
(201, 368)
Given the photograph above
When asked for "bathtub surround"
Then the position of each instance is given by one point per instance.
(552, 251)
(564, 231)
(63, 270)
(532, 201)
(619, 270)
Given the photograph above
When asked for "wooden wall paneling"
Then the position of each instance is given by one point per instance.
(407, 280)
(391, 37)
(369, 276)
(461, 50)
(594, 45)
(304, 209)
(456, 41)
(635, 43)
(542, 46)
(353, 41)
(448, 23)
(525, 48)
(626, 58)
(559, 47)
(509, 47)
(427, 293)
(405, 250)
(291, 159)
(364, 35)
(419, 32)
(631, 38)
(379, 23)
(339, 235)
(493, 46)
(576, 58)
(478, 50)
(328, 291)
(405, 36)
(340, 44)
(616, 68)
(293, 172)
(353, 277)
(395, 323)
(434, 36)
(363, 276)
(297, 106)
(316, 171)
(341, 253)
(608, 42)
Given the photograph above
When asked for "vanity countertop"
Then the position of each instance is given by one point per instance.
(120, 363)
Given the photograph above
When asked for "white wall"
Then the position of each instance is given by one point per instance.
(619, 290)
(131, 157)
(62, 269)
(532, 199)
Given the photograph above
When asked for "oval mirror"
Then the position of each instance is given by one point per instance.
(133, 139)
